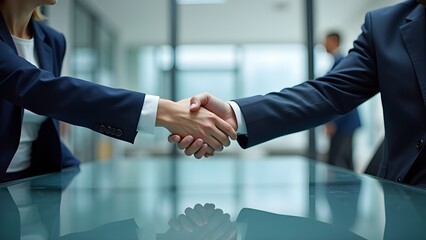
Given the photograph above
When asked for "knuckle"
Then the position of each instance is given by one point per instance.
(209, 127)
(228, 128)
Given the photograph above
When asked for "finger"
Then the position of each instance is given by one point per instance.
(219, 231)
(209, 206)
(185, 223)
(202, 211)
(221, 137)
(233, 133)
(216, 218)
(200, 153)
(215, 221)
(227, 129)
(185, 142)
(174, 138)
(194, 216)
(209, 209)
(231, 233)
(218, 131)
(205, 211)
(213, 142)
(194, 147)
(209, 152)
(174, 224)
(195, 104)
(199, 100)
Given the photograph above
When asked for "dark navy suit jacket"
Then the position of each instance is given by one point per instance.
(113, 112)
(389, 57)
(350, 121)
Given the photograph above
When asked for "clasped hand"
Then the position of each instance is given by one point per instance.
(202, 222)
(225, 125)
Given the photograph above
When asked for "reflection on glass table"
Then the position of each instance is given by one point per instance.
(223, 198)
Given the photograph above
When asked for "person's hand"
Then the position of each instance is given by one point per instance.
(206, 221)
(220, 108)
(191, 146)
(215, 105)
(201, 124)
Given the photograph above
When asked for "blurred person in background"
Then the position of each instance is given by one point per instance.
(340, 130)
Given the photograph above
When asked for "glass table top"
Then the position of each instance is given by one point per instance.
(286, 197)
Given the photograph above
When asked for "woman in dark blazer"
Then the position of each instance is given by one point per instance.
(30, 79)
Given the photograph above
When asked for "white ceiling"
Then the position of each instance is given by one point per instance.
(237, 21)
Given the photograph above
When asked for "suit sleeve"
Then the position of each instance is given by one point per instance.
(314, 102)
(113, 112)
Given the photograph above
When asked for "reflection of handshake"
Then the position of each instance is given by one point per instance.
(201, 222)
(200, 125)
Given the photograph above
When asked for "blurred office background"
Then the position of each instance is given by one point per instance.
(230, 48)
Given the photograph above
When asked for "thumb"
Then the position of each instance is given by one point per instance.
(198, 101)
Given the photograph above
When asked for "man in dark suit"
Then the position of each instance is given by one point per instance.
(388, 57)
(340, 130)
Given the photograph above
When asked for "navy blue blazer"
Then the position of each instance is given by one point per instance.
(388, 57)
(347, 123)
(350, 121)
(113, 112)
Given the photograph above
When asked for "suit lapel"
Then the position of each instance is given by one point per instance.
(44, 50)
(414, 36)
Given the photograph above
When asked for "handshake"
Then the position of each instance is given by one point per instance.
(200, 125)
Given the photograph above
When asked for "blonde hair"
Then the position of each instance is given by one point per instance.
(37, 15)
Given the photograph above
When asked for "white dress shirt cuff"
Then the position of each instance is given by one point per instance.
(148, 114)
(242, 128)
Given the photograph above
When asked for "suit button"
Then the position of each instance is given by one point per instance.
(419, 144)
(101, 129)
(108, 130)
(119, 133)
(399, 179)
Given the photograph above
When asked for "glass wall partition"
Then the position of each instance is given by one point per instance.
(93, 59)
